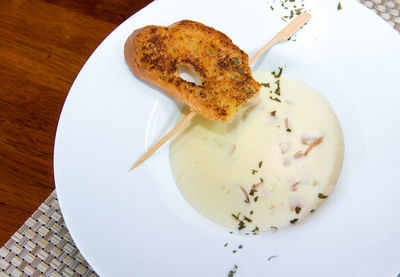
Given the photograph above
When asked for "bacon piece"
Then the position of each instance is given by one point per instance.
(313, 145)
(298, 155)
(245, 194)
(232, 150)
(293, 186)
(256, 186)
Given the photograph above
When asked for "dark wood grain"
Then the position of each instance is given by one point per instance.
(43, 45)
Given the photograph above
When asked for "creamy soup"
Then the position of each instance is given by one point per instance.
(271, 167)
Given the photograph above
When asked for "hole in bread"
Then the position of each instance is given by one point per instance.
(188, 74)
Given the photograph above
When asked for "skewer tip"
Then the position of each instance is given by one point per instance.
(133, 167)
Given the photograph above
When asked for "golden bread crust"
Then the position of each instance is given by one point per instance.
(154, 53)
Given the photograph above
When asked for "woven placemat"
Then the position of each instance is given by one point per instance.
(43, 245)
(388, 10)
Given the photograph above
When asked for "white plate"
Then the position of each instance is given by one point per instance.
(138, 224)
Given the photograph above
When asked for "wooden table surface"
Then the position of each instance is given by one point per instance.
(43, 45)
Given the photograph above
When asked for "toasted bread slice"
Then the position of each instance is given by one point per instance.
(154, 53)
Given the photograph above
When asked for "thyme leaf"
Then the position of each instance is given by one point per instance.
(277, 75)
(236, 216)
(256, 229)
(273, 228)
(252, 191)
(278, 86)
(237, 63)
(241, 225)
(247, 219)
(275, 98)
(233, 271)
(322, 196)
(271, 257)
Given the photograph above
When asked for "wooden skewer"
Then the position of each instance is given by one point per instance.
(188, 117)
(283, 35)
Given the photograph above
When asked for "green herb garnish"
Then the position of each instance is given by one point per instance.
(288, 130)
(237, 63)
(236, 216)
(226, 244)
(255, 199)
(313, 210)
(297, 210)
(233, 271)
(251, 212)
(270, 258)
(289, 6)
(277, 75)
(273, 113)
(278, 87)
(339, 6)
(252, 191)
(273, 228)
(293, 221)
(253, 171)
(247, 219)
(320, 195)
(241, 225)
(240, 246)
(256, 229)
(266, 85)
(275, 99)
(262, 180)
